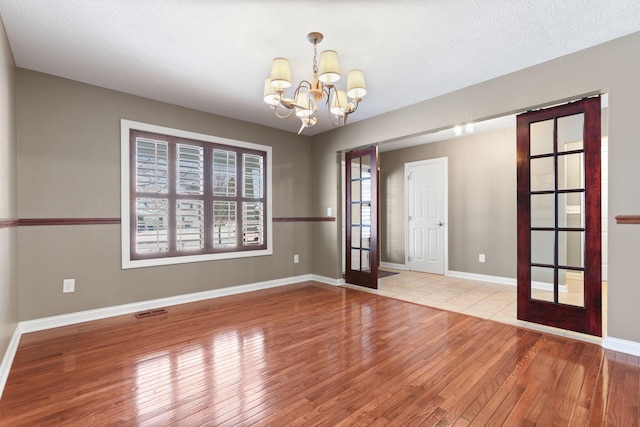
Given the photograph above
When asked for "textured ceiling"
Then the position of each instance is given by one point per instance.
(214, 55)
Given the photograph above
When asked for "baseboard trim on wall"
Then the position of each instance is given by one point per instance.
(393, 265)
(327, 280)
(118, 310)
(623, 346)
(482, 277)
(106, 312)
(503, 280)
(7, 360)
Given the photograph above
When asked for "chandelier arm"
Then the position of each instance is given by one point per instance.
(331, 119)
(285, 104)
(275, 108)
(356, 106)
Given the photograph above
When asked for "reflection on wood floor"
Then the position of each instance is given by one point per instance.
(312, 354)
(481, 299)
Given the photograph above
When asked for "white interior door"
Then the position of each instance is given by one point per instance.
(426, 207)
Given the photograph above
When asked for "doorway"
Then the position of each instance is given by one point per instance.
(426, 189)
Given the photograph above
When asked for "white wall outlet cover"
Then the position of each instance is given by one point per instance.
(68, 285)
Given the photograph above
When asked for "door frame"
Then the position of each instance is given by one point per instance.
(445, 164)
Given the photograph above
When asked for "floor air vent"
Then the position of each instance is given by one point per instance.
(150, 313)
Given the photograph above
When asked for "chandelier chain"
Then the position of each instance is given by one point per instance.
(315, 58)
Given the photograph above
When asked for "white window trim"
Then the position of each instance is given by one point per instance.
(127, 262)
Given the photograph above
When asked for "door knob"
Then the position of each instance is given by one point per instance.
(440, 224)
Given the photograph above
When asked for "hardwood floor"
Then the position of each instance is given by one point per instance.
(312, 354)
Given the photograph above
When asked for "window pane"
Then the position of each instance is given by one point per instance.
(571, 171)
(571, 248)
(151, 225)
(543, 210)
(224, 173)
(151, 166)
(572, 293)
(189, 225)
(252, 224)
(542, 283)
(542, 247)
(542, 174)
(570, 130)
(253, 173)
(571, 210)
(541, 137)
(224, 225)
(190, 169)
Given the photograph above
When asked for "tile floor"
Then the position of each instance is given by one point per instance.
(481, 299)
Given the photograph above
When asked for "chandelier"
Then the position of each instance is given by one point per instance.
(308, 95)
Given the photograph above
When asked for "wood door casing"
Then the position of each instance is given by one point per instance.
(588, 318)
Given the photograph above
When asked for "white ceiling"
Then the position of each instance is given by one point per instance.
(213, 56)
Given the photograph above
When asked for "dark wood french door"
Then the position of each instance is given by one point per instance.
(362, 217)
(559, 218)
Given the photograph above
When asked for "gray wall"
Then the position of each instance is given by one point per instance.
(69, 167)
(482, 201)
(612, 67)
(8, 196)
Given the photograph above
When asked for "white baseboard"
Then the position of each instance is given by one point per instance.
(393, 265)
(503, 280)
(623, 346)
(482, 277)
(327, 280)
(7, 360)
(103, 313)
(118, 310)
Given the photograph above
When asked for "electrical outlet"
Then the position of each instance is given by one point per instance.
(68, 285)
(481, 258)
(296, 258)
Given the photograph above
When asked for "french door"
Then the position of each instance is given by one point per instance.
(559, 227)
(362, 217)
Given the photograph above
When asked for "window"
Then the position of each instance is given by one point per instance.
(189, 197)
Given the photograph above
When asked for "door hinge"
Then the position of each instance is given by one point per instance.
(408, 259)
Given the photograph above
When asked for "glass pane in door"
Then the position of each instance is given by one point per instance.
(542, 284)
(542, 174)
(541, 137)
(542, 247)
(572, 290)
(570, 130)
(543, 210)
